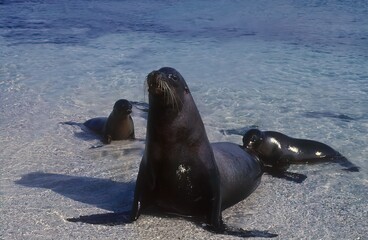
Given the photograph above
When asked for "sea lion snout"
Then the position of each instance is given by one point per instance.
(129, 110)
(154, 78)
(159, 84)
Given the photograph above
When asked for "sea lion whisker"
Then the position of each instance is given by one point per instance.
(175, 100)
(169, 94)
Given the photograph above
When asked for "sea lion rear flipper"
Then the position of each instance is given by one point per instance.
(344, 162)
(141, 105)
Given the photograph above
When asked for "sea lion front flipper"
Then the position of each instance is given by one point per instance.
(215, 217)
(145, 185)
(107, 139)
(132, 135)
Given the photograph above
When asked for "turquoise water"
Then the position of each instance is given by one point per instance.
(298, 67)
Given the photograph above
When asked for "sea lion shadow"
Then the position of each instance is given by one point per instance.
(326, 114)
(102, 193)
(87, 135)
(237, 131)
(286, 175)
(112, 196)
(121, 218)
(84, 133)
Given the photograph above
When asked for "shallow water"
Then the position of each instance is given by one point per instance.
(298, 68)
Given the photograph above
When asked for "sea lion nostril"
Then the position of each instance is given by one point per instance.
(156, 75)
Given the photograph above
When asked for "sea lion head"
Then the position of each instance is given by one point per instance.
(252, 139)
(167, 87)
(122, 107)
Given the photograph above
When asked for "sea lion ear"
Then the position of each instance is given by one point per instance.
(186, 89)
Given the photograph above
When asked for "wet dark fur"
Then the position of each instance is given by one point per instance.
(181, 172)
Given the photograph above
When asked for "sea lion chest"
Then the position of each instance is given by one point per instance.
(179, 183)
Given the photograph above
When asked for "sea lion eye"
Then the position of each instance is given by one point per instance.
(173, 77)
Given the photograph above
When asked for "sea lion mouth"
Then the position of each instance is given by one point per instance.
(124, 111)
(158, 85)
(127, 109)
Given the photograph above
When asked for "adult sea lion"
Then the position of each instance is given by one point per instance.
(279, 150)
(181, 172)
(118, 126)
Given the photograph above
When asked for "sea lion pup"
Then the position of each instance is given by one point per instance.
(118, 126)
(279, 150)
(181, 172)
